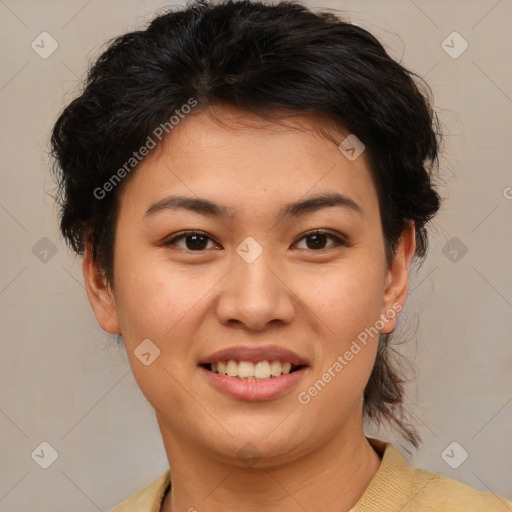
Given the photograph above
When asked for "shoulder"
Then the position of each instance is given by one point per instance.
(433, 491)
(398, 486)
(147, 499)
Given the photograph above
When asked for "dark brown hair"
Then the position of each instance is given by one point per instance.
(263, 59)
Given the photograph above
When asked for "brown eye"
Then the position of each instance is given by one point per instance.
(317, 240)
(194, 241)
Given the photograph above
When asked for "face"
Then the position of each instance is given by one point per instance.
(257, 280)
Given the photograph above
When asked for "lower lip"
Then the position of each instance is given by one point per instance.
(254, 390)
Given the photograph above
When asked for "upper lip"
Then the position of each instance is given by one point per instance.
(255, 354)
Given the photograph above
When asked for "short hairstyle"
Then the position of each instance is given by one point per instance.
(264, 59)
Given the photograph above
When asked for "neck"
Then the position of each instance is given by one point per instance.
(333, 478)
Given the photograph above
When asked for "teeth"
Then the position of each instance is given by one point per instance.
(262, 370)
(247, 370)
(231, 369)
(286, 367)
(275, 368)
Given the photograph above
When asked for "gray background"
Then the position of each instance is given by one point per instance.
(64, 381)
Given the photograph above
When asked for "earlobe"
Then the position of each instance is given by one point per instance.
(101, 296)
(397, 278)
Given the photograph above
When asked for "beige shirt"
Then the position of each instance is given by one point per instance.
(395, 487)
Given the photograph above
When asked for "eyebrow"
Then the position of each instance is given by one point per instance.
(294, 209)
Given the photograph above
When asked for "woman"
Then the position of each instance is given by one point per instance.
(249, 185)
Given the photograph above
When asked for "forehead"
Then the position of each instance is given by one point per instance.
(229, 153)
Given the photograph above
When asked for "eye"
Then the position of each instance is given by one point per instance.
(318, 238)
(194, 241)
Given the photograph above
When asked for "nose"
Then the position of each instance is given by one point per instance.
(255, 294)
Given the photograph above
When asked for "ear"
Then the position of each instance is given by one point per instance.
(397, 278)
(101, 297)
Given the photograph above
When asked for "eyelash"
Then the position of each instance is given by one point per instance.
(338, 242)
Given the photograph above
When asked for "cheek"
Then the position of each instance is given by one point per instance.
(154, 304)
(161, 303)
(346, 303)
(346, 350)
(346, 300)
(152, 297)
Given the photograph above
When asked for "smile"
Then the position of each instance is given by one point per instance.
(252, 371)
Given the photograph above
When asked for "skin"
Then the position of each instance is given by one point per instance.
(313, 301)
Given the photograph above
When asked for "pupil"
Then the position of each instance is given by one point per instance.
(321, 241)
(197, 242)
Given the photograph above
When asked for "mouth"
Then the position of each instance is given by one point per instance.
(252, 370)
(254, 373)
